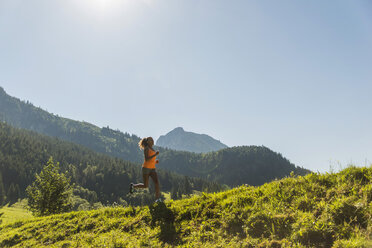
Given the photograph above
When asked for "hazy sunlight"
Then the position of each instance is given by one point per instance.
(103, 7)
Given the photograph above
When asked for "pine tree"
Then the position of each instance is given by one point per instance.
(51, 192)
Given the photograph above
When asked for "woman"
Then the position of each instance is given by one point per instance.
(148, 167)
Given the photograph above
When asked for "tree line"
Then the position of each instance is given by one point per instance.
(97, 177)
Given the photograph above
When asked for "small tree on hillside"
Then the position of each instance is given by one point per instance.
(51, 192)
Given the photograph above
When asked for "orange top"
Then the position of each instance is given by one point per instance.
(150, 164)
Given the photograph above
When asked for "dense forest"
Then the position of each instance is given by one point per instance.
(97, 177)
(252, 165)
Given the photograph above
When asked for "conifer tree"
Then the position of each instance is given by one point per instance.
(51, 192)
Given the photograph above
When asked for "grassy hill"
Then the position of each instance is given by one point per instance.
(317, 210)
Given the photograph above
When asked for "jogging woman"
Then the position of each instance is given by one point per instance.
(148, 167)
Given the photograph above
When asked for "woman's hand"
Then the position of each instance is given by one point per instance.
(157, 161)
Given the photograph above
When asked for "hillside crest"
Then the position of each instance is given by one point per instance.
(317, 210)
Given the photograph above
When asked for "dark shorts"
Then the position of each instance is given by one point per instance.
(147, 171)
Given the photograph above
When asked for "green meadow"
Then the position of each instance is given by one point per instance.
(316, 210)
(15, 212)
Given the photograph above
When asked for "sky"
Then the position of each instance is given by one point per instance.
(294, 76)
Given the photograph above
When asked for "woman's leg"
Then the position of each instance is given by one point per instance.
(154, 177)
(145, 183)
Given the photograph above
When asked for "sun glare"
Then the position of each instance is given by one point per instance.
(103, 7)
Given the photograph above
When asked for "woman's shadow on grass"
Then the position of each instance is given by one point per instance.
(164, 217)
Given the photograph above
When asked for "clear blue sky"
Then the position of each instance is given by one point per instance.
(295, 76)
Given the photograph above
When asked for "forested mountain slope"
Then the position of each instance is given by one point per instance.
(253, 165)
(105, 140)
(99, 177)
(318, 210)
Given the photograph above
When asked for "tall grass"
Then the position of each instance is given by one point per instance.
(317, 210)
(15, 212)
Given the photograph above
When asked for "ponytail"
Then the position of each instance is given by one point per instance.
(143, 143)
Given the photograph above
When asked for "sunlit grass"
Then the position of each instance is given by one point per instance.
(316, 210)
(15, 212)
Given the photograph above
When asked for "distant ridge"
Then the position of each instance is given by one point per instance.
(179, 139)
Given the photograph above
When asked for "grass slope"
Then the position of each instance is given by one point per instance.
(15, 212)
(317, 210)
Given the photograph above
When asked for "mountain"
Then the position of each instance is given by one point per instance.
(98, 177)
(180, 140)
(24, 115)
(318, 210)
(231, 166)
